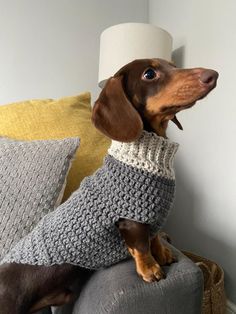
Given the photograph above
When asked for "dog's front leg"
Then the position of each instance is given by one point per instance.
(137, 239)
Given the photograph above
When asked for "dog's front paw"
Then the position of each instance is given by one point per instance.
(153, 273)
(150, 270)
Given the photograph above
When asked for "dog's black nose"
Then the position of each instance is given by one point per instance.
(209, 77)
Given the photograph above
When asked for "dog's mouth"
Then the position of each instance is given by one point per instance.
(173, 110)
(180, 108)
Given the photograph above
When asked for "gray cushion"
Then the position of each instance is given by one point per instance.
(119, 290)
(32, 177)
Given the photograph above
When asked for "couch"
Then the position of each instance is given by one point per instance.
(119, 290)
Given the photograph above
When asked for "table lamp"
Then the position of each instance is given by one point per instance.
(123, 43)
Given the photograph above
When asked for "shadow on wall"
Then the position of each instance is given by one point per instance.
(186, 232)
(178, 56)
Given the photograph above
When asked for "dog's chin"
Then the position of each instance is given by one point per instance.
(180, 108)
(187, 106)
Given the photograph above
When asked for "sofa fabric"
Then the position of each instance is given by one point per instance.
(119, 290)
(32, 181)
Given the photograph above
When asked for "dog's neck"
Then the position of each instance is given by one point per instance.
(158, 125)
(150, 152)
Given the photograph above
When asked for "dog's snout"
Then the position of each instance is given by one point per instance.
(208, 77)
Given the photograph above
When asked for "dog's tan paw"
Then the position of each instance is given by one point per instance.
(151, 272)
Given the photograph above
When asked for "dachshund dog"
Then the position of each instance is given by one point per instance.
(143, 95)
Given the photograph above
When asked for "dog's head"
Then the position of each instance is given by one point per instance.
(146, 94)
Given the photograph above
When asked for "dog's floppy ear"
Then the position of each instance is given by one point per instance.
(114, 115)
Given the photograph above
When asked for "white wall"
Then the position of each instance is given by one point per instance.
(204, 218)
(51, 48)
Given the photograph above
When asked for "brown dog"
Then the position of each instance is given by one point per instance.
(145, 94)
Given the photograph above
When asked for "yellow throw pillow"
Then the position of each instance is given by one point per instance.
(56, 119)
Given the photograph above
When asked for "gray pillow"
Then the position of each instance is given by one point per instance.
(32, 180)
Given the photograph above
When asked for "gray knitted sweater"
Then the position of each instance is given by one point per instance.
(136, 182)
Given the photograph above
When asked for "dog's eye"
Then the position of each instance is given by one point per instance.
(149, 74)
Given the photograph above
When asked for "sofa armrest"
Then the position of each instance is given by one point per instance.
(119, 290)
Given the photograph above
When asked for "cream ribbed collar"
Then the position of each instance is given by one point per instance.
(150, 152)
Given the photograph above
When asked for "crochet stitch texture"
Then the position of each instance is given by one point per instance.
(32, 176)
(136, 182)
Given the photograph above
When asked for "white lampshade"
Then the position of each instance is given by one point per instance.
(123, 43)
